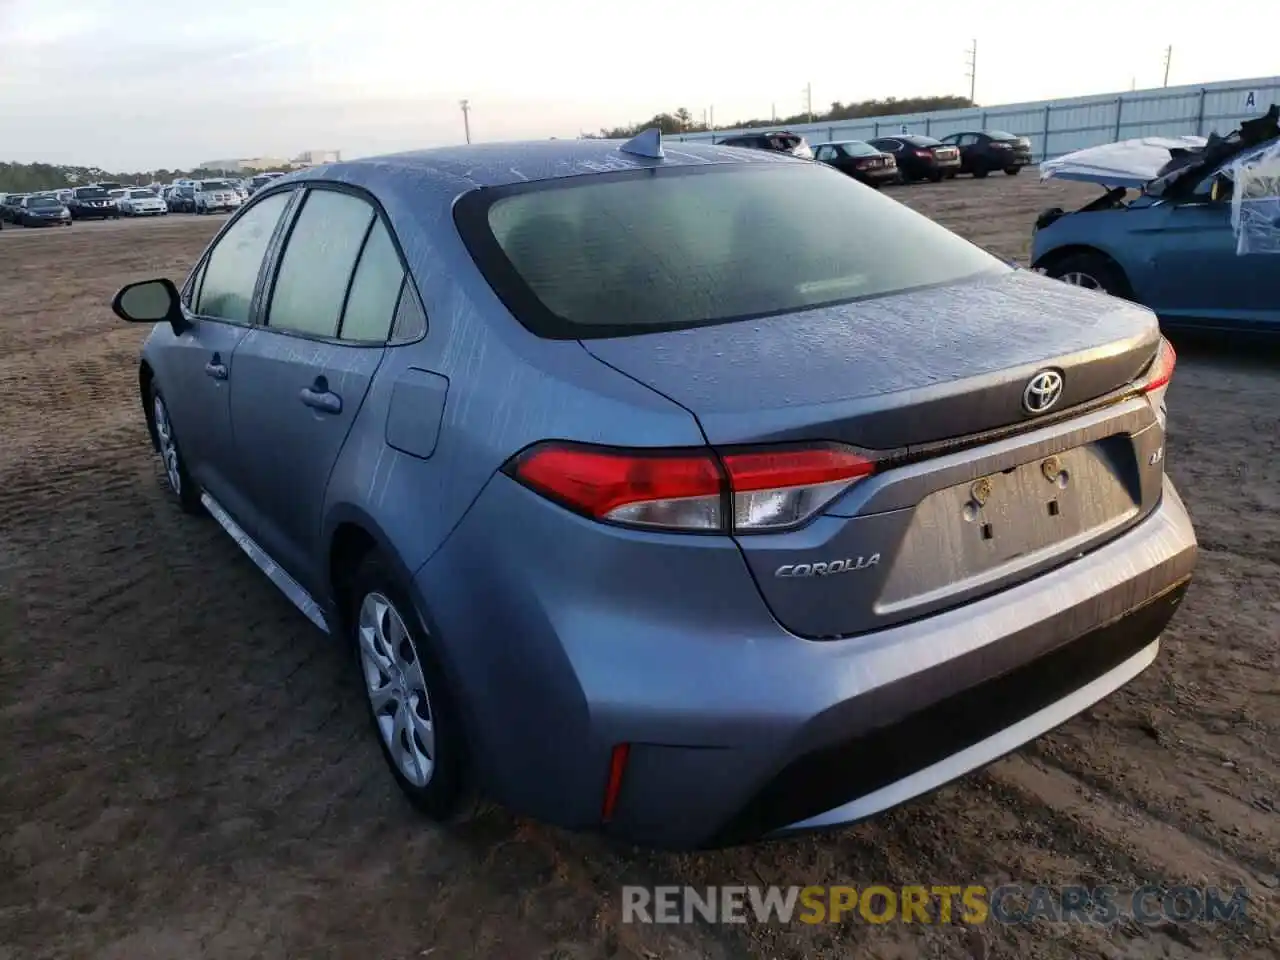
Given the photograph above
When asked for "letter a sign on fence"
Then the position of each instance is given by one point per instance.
(1250, 100)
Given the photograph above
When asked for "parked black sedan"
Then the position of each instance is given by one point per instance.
(859, 160)
(44, 210)
(983, 151)
(920, 157)
(92, 203)
(10, 204)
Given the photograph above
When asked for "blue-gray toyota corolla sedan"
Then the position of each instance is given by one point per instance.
(689, 493)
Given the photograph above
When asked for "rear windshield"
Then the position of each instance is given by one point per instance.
(859, 149)
(215, 185)
(923, 141)
(90, 193)
(1001, 135)
(141, 195)
(633, 252)
(44, 202)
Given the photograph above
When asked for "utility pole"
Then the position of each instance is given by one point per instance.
(712, 116)
(773, 112)
(808, 100)
(466, 117)
(973, 71)
(1168, 59)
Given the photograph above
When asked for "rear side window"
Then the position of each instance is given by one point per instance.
(627, 253)
(411, 319)
(375, 289)
(231, 270)
(316, 266)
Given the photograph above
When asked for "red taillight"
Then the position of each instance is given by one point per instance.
(613, 786)
(1161, 370)
(737, 490)
(925, 154)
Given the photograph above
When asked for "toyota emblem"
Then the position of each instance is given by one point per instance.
(1042, 392)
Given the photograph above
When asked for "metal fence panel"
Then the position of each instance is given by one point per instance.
(1055, 127)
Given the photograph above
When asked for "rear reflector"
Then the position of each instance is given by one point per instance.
(613, 786)
(1161, 370)
(692, 489)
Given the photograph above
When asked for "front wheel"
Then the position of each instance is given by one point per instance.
(175, 468)
(409, 699)
(1092, 271)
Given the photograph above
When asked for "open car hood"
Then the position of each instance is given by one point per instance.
(1129, 163)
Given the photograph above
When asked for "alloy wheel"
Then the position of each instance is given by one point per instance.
(1078, 279)
(168, 447)
(396, 688)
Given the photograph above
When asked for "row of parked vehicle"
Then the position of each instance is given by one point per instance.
(903, 158)
(110, 201)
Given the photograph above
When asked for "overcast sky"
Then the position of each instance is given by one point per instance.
(143, 84)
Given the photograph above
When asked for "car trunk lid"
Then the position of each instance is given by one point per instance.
(894, 371)
(917, 380)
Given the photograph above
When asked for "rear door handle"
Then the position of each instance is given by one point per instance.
(318, 396)
(216, 368)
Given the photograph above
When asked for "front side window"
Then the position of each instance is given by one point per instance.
(316, 266)
(620, 254)
(231, 270)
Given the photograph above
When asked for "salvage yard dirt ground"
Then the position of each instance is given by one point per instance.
(185, 768)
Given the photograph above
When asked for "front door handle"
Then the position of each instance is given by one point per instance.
(216, 368)
(318, 396)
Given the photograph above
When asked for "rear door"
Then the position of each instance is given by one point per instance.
(303, 372)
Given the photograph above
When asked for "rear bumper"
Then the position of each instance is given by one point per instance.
(738, 729)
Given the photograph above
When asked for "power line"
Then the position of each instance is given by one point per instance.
(1168, 59)
(972, 63)
(466, 117)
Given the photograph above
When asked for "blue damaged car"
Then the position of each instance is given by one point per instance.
(693, 494)
(1176, 246)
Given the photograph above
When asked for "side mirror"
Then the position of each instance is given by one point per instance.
(151, 301)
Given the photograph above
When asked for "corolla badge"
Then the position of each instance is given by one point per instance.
(827, 568)
(1042, 392)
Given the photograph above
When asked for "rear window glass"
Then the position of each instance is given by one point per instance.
(628, 253)
(1000, 135)
(923, 141)
(44, 202)
(859, 149)
(90, 193)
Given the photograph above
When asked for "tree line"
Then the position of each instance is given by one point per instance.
(682, 121)
(28, 177)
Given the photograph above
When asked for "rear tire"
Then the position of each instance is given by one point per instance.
(1012, 171)
(979, 172)
(935, 177)
(407, 693)
(1092, 271)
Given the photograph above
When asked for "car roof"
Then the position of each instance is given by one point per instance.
(841, 143)
(462, 168)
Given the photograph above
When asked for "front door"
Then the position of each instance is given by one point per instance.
(302, 375)
(199, 365)
(1198, 273)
